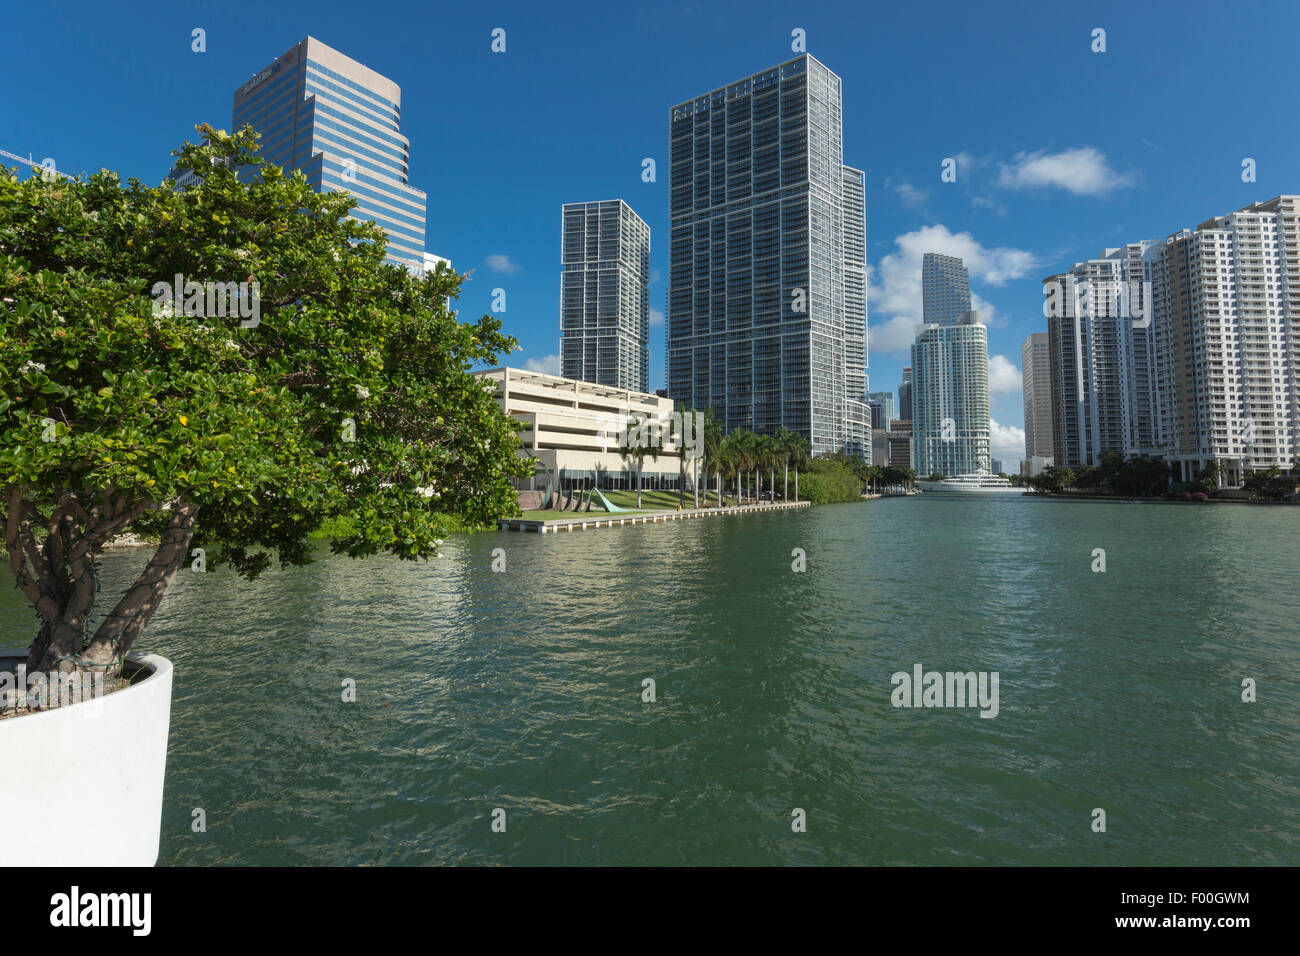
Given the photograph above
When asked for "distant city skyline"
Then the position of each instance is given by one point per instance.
(1029, 198)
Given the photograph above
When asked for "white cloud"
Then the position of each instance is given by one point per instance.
(966, 163)
(988, 314)
(893, 335)
(1004, 377)
(656, 317)
(894, 298)
(910, 196)
(550, 365)
(500, 263)
(1007, 442)
(1084, 171)
(984, 202)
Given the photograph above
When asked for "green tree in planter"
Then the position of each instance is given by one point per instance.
(346, 395)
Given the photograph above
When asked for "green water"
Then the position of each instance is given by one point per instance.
(522, 690)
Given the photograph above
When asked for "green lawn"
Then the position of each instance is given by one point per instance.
(650, 500)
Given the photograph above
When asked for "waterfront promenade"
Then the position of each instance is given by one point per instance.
(607, 520)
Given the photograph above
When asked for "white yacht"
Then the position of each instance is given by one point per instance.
(981, 481)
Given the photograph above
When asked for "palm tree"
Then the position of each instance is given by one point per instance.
(797, 449)
(783, 439)
(635, 449)
(697, 435)
(729, 465)
(744, 448)
(692, 426)
(712, 449)
(683, 430)
(770, 452)
(874, 474)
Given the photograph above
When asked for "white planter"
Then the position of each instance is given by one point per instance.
(82, 785)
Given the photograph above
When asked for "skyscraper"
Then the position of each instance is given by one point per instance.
(1101, 356)
(1036, 378)
(945, 289)
(905, 394)
(767, 288)
(1227, 329)
(882, 408)
(605, 295)
(950, 398)
(338, 122)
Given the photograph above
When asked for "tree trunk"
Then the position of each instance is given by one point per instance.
(58, 578)
(785, 489)
(125, 622)
(796, 484)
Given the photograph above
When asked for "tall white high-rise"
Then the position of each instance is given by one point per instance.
(950, 398)
(950, 375)
(1100, 342)
(1227, 336)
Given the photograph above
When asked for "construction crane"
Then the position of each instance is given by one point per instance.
(28, 160)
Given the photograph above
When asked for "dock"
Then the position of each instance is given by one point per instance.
(607, 520)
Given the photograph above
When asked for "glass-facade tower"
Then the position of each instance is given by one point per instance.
(605, 295)
(882, 408)
(945, 289)
(767, 284)
(339, 122)
(905, 395)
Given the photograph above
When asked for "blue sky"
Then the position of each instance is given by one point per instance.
(1061, 151)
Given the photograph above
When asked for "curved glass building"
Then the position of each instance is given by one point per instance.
(339, 122)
